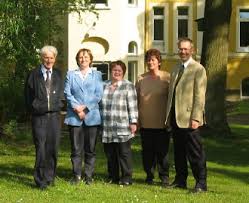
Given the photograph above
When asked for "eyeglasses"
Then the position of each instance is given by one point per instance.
(183, 49)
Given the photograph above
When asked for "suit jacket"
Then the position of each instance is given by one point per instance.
(189, 94)
(36, 94)
(86, 92)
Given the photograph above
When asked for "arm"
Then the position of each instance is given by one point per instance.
(71, 101)
(132, 107)
(200, 84)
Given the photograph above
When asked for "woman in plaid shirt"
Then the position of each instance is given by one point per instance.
(120, 114)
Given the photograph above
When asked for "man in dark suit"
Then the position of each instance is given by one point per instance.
(43, 94)
(185, 110)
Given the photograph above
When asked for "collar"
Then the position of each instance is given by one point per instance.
(186, 63)
(44, 70)
(89, 71)
(119, 83)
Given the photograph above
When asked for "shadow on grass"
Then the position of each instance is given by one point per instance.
(237, 175)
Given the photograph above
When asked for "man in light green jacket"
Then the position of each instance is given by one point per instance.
(185, 114)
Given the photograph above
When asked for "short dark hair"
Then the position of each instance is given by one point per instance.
(185, 39)
(84, 50)
(118, 63)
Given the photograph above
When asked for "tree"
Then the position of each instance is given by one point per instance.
(214, 58)
(25, 26)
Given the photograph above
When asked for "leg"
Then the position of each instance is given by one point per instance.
(39, 131)
(181, 167)
(162, 147)
(148, 153)
(111, 151)
(125, 159)
(90, 138)
(77, 143)
(52, 144)
(197, 158)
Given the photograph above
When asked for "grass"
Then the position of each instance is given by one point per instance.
(228, 174)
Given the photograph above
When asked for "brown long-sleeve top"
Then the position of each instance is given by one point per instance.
(152, 95)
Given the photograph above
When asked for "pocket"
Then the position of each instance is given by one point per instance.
(189, 108)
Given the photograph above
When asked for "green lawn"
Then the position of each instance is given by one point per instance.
(228, 175)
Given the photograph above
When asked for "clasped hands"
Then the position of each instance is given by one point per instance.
(80, 111)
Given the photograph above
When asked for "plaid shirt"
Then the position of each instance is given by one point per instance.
(119, 110)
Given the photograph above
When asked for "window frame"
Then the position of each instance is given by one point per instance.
(238, 21)
(176, 20)
(135, 48)
(161, 45)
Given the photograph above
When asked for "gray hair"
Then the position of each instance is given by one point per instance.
(48, 48)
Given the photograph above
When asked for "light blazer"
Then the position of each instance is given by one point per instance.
(189, 94)
(86, 92)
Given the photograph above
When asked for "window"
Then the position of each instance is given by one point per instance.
(183, 18)
(132, 2)
(132, 48)
(158, 23)
(132, 71)
(243, 30)
(100, 3)
(103, 68)
(244, 90)
(158, 26)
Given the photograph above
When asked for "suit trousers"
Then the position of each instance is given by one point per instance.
(46, 131)
(119, 155)
(155, 147)
(83, 142)
(188, 146)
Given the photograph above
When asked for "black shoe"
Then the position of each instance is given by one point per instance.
(165, 182)
(43, 187)
(149, 181)
(88, 181)
(75, 180)
(178, 185)
(200, 188)
(51, 183)
(125, 183)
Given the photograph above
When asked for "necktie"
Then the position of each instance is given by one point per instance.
(48, 82)
(179, 74)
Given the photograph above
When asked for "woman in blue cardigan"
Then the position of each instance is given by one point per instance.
(83, 92)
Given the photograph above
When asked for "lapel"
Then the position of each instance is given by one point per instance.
(81, 83)
(175, 74)
(41, 81)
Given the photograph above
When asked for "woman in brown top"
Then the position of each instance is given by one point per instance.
(152, 91)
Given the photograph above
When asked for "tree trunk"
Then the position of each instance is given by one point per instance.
(214, 58)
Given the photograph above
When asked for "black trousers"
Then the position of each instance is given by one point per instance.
(119, 155)
(188, 146)
(155, 147)
(83, 142)
(46, 131)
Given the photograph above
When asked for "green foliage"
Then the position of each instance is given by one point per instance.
(26, 26)
(10, 129)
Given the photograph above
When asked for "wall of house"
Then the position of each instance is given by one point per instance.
(117, 25)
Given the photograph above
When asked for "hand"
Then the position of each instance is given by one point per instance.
(79, 108)
(81, 115)
(133, 128)
(194, 124)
